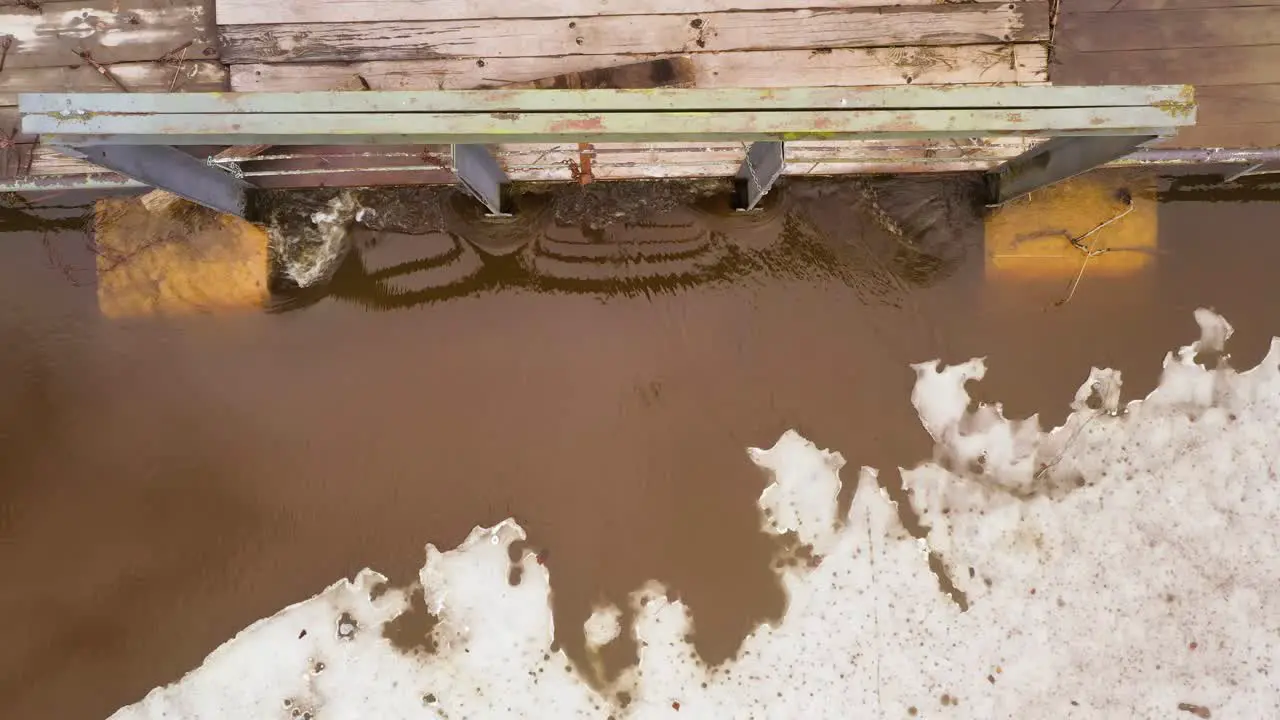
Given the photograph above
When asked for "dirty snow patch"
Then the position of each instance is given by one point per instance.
(1122, 565)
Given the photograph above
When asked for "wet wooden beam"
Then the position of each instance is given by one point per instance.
(1157, 29)
(110, 31)
(200, 76)
(291, 166)
(1126, 5)
(946, 24)
(1228, 135)
(1245, 65)
(943, 65)
(245, 12)
(655, 73)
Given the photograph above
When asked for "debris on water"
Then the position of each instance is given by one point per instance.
(644, 238)
(416, 210)
(599, 205)
(309, 233)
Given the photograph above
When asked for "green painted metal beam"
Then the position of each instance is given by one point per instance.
(427, 128)
(1177, 100)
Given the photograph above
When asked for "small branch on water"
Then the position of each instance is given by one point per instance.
(1090, 251)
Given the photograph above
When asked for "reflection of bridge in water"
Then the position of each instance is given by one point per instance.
(454, 252)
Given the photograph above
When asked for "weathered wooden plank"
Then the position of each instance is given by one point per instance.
(1250, 65)
(727, 169)
(1121, 5)
(201, 76)
(659, 72)
(1241, 104)
(996, 64)
(542, 155)
(436, 103)
(1229, 135)
(250, 12)
(1030, 64)
(618, 161)
(51, 162)
(59, 183)
(948, 24)
(111, 31)
(406, 128)
(517, 155)
(1155, 29)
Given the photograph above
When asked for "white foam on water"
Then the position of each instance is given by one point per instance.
(1123, 565)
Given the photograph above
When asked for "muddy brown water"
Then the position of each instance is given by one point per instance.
(165, 483)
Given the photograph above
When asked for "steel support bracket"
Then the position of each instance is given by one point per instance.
(480, 175)
(1055, 160)
(168, 168)
(760, 170)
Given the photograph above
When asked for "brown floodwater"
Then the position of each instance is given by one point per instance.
(163, 483)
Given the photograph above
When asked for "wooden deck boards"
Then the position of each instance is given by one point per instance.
(200, 76)
(963, 24)
(455, 44)
(1126, 5)
(613, 161)
(253, 12)
(1228, 49)
(110, 31)
(973, 64)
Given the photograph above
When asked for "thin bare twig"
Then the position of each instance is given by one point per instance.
(1091, 251)
(177, 71)
(102, 69)
(173, 55)
(6, 41)
(1078, 242)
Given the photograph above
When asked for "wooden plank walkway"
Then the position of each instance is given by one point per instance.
(294, 45)
(1228, 49)
(469, 44)
(100, 46)
(971, 23)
